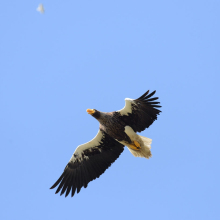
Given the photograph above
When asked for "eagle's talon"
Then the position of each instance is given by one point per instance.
(137, 145)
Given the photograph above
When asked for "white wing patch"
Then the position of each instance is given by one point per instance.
(40, 8)
(127, 109)
(96, 141)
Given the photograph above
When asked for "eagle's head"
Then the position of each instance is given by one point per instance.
(95, 113)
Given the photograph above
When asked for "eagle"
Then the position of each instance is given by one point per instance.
(116, 130)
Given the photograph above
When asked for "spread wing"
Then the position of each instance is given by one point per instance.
(88, 162)
(140, 113)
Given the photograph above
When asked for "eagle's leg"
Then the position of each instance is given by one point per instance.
(135, 146)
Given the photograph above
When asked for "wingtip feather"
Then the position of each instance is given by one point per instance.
(57, 182)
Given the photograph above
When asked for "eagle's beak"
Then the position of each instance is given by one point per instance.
(90, 111)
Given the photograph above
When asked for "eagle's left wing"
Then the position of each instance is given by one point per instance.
(88, 162)
(140, 113)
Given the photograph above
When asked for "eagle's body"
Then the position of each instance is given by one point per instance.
(107, 124)
(116, 129)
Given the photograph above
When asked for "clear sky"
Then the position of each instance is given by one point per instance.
(94, 54)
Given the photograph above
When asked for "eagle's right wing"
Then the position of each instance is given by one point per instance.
(88, 162)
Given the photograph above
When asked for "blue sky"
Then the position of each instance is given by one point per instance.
(94, 54)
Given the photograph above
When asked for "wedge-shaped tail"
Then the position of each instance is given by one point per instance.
(145, 147)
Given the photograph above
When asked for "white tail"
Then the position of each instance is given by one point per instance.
(145, 147)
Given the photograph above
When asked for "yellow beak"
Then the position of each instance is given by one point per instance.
(90, 111)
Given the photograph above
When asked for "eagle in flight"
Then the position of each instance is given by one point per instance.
(116, 130)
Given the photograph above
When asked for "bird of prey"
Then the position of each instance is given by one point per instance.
(116, 130)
